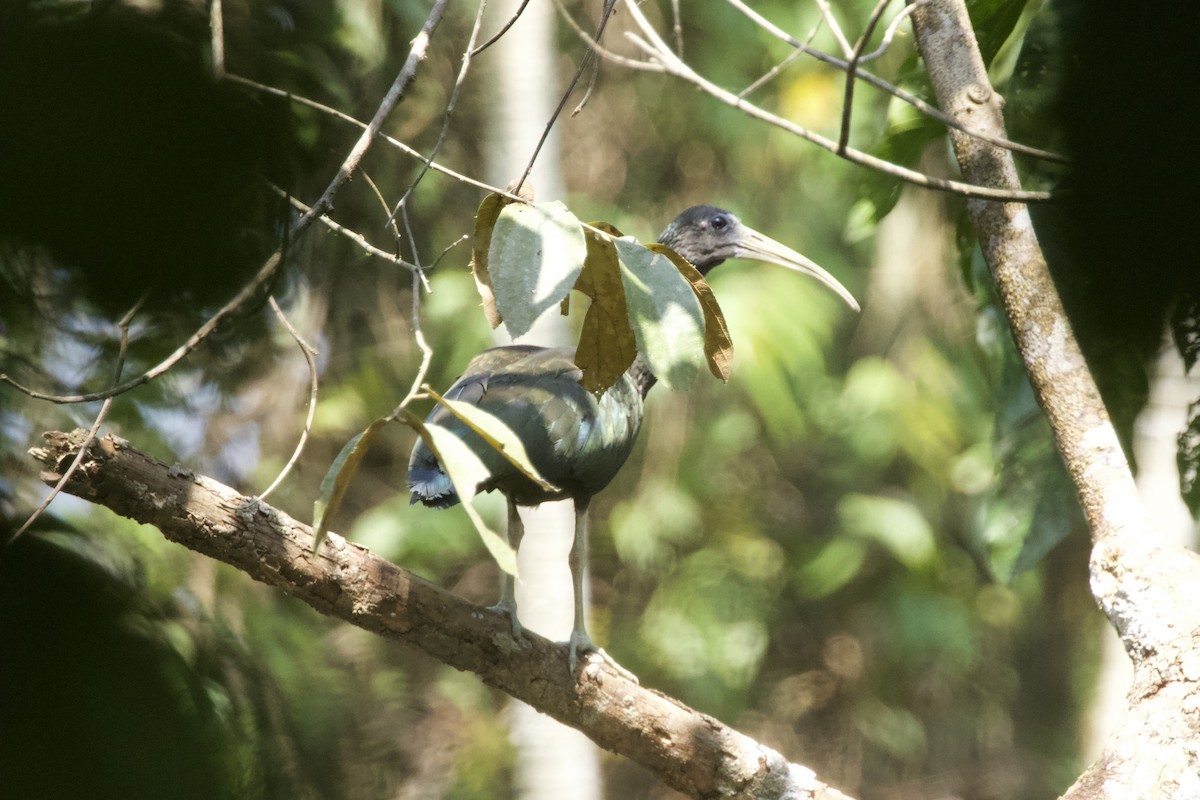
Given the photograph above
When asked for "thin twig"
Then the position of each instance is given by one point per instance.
(890, 32)
(349, 233)
(605, 14)
(677, 27)
(879, 83)
(655, 48)
(834, 28)
(309, 358)
(123, 348)
(500, 33)
(414, 391)
(770, 74)
(450, 104)
(399, 145)
(274, 262)
(390, 222)
(852, 70)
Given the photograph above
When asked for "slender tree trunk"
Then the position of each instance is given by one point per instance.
(1143, 582)
(552, 760)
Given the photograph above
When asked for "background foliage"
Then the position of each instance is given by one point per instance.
(848, 553)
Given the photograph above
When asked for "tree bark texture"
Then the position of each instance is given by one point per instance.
(1146, 586)
(689, 751)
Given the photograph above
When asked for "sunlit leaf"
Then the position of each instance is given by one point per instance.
(466, 471)
(607, 344)
(535, 255)
(664, 312)
(497, 434)
(337, 480)
(718, 346)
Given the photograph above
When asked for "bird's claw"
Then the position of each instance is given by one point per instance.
(509, 609)
(585, 647)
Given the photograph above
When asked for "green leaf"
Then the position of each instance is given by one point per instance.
(994, 21)
(497, 434)
(337, 480)
(718, 345)
(535, 255)
(466, 471)
(664, 312)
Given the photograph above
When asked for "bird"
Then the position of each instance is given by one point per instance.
(576, 440)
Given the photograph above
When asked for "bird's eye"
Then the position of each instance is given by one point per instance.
(719, 222)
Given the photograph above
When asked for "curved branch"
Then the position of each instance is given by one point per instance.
(655, 48)
(1145, 586)
(690, 751)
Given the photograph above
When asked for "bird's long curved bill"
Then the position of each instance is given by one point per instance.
(763, 248)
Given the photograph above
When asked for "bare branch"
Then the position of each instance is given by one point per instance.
(468, 53)
(309, 352)
(1146, 586)
(691, 752)
(274, 262)
(895, 91)
(852, 73)
(394, 142)
(656, 49)
(123, 327)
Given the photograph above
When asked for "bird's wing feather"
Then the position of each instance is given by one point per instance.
(576, 441)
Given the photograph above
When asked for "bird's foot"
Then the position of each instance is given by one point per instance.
(582, 646)
(508, 607)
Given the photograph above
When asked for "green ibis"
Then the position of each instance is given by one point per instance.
(576, 440)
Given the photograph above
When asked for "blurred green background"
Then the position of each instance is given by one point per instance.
(863, 551)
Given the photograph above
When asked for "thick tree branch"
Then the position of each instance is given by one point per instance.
(690, 751)
(1147, 588)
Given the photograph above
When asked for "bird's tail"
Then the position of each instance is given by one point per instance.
(431, 487)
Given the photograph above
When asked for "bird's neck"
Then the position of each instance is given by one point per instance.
(643, 377)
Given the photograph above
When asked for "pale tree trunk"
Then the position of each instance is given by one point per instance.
(1155, 445)
(552, 760)
(1143, 581)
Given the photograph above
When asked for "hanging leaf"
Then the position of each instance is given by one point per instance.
(535, 255)
(466, 471)
(337, 480)
(607, 344)
(485, 221)
(496, 434)
(664, 312)
(718, 346)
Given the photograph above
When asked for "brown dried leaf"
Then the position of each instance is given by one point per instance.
(485, 221)
(607, 344)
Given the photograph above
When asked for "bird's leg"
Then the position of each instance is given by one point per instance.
(580, 642)
(514, 532)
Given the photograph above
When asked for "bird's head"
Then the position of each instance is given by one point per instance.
(707, 235)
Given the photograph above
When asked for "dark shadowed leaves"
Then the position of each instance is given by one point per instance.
(339, 477)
